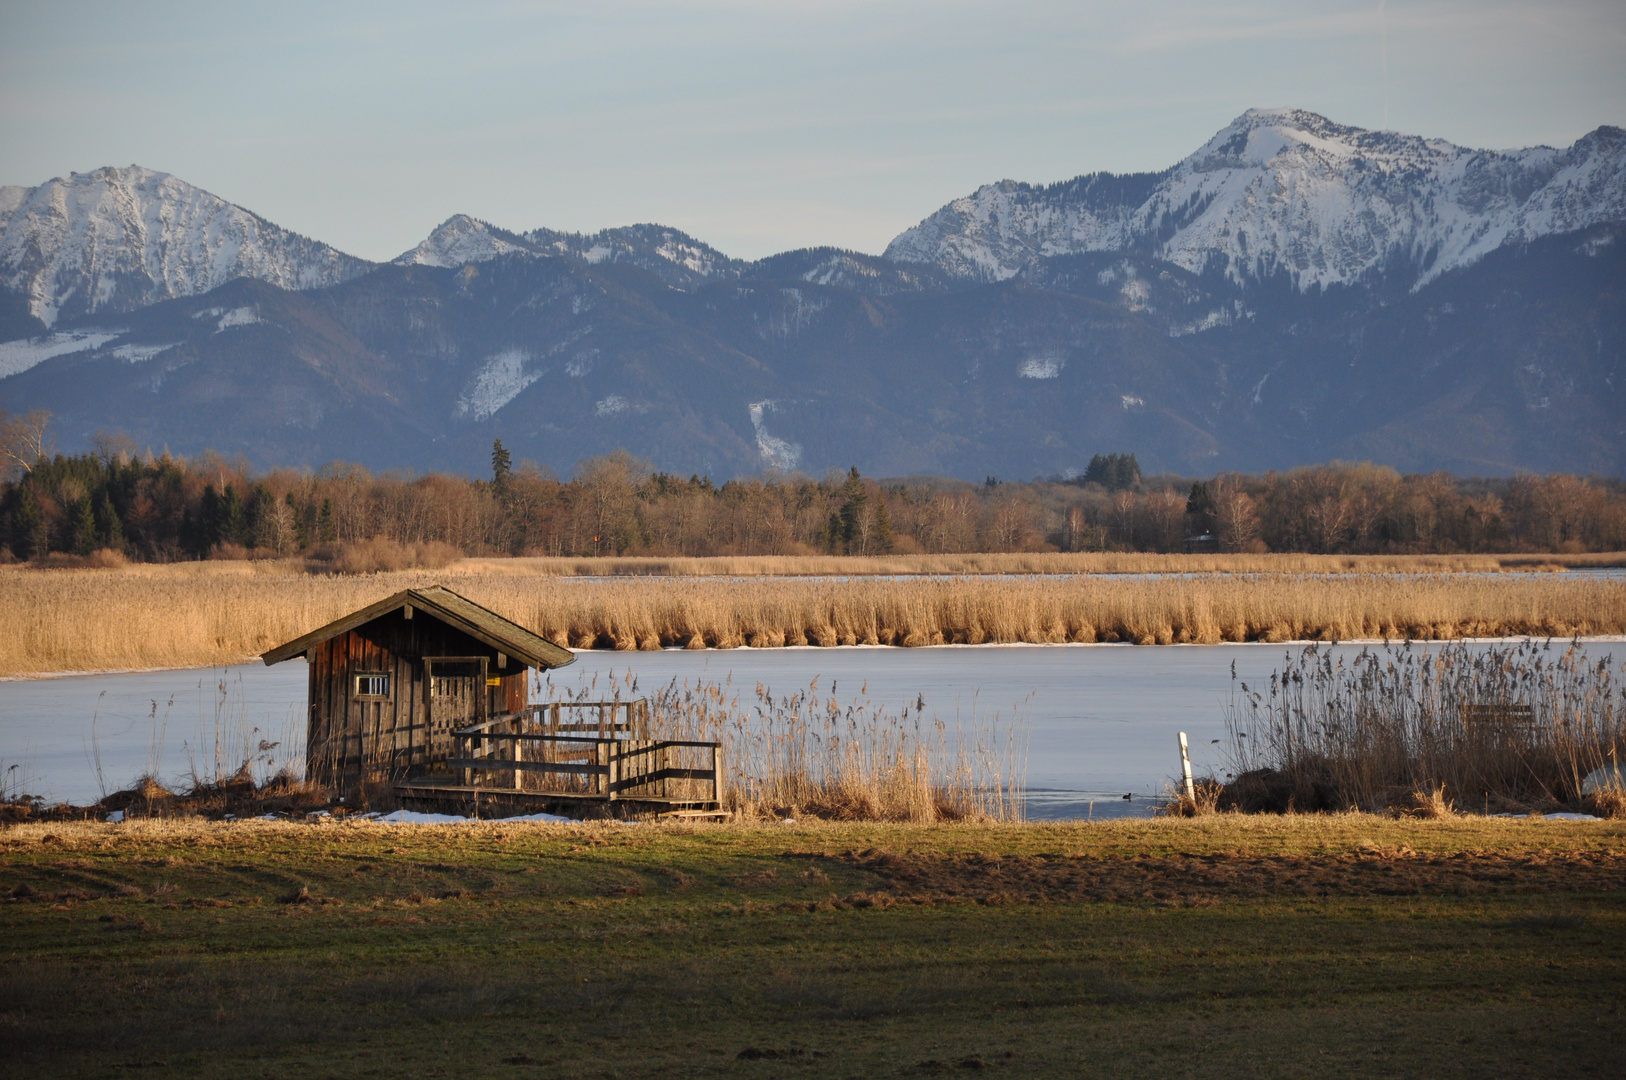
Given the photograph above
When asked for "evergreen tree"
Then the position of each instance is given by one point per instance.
(852, 507)
(326, 527)
(233, 519)
(1115, 472)
(30, 538)
(1200, 508)
(82, 528)
(302, 536)
(883, 527)
(501, 466)
(109, 529)
(832, 533)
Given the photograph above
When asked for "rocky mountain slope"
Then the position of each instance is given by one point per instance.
(113, 240)
(1295, 291)
(1287, 192)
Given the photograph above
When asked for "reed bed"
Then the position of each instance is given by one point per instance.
(210, 613)
(1080, 562)
(812, 753)
(1428, 731)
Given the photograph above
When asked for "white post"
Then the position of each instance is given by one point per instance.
(1185, 770)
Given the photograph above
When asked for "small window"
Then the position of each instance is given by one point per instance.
(374, 686)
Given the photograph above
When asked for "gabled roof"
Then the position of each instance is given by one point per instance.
(454, 610)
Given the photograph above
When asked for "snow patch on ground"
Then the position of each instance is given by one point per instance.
(1130, 401)
(1217, 317)
(497, 383)
(18, 356)
(240, 316)
(135, 354)
(1046, 366)
(609, 406)
(415, 817)
(776, 452)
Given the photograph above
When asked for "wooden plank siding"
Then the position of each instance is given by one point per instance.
(351, 738)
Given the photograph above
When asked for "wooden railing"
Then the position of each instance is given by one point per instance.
(528, 753)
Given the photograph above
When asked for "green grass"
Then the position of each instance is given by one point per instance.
(604, 950)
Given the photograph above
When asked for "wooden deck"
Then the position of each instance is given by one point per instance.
(523, 759)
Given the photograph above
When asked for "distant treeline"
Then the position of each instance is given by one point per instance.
(169, 508)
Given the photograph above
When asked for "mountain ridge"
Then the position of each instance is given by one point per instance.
(1296, 290)
(116, 239)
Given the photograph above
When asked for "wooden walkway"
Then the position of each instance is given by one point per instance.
(525, 759)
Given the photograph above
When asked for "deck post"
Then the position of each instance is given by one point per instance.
(717, 774)
(609, 775)
(519, 752)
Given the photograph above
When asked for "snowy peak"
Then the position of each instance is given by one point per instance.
(672, 255)
(462, 239)
(114, 240)
(1287, 192)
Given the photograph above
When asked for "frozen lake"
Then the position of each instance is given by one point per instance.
(1102, 720)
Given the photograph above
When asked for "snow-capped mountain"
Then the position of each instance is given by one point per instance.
(674, 256)
(1285, 191)
(115, 240)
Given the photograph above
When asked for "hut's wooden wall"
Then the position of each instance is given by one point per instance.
(349, 737)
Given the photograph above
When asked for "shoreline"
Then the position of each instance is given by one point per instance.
(53, 676)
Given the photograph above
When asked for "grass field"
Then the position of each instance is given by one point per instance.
(1219, 947)
(195, 614)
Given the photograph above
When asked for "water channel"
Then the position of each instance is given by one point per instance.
(1102, 721)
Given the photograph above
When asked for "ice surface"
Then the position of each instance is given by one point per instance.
(1100, 720)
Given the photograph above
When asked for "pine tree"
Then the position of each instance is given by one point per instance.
(82, 529)
(233, 519)
(501, 465)
(108, 526)
(302, 536)
(832, 533)
(30, 538)
(852, 507)
(326, 527)
(883, 527)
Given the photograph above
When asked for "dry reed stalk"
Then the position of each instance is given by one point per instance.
(1049, 563)
(812, 754)
(1418, 730)
(196, 614)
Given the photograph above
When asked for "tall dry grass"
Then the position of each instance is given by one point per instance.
(197, 614)
(855, 759)
(1426, 730)
(1108, 562)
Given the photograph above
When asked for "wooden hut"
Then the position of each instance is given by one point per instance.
(391, 684)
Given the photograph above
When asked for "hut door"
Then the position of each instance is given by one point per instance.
(457, 698)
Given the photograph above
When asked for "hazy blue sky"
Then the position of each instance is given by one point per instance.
(756, 126)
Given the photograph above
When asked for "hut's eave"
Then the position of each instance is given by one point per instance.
(478, 622)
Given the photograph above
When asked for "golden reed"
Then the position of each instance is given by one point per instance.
(196, 614)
